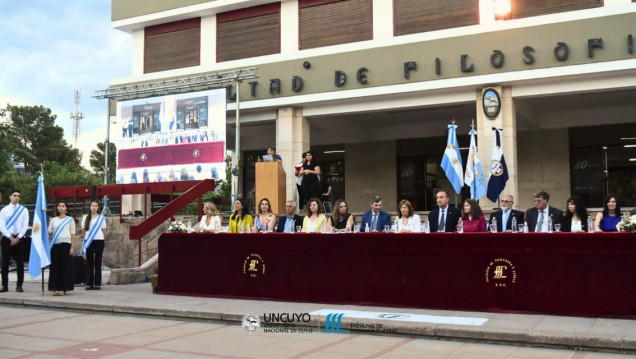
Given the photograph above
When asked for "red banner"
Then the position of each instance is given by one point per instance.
(185, 153)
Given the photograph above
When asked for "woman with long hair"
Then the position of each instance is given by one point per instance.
(315, 219)
(241, 220)
(210, 222)
(407, 221)
(93, 226)
(310, 172)
(473, 217)
(607, 220)
(341, 220)
(62, 234)
(265, 220)
(575, 218)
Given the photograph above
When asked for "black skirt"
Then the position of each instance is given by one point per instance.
(61, 270)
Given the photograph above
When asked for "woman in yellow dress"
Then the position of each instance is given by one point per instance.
(241, 220)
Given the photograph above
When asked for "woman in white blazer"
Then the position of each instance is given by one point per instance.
(407, 221)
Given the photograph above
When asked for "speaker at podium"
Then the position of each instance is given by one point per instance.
(270, 184)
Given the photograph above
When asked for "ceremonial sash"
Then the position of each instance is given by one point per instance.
(59, 229)
(92, 232)
(14, 217)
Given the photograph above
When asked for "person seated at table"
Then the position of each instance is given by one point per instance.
(341, 220)
(407, 221)
(473, 217)
(376, 218)
(265, 220)
(443, 218)
(241, 220)
(575, 218)
(315, 219)
(537, 216)
(607, 220)
(506, 214)
(210, 222)
(288, 223)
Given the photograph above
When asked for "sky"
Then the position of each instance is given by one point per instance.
(49, 48)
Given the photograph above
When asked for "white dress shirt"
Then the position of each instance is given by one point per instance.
(19, 227)
(414, 224)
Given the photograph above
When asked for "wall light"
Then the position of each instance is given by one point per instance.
(503, 9)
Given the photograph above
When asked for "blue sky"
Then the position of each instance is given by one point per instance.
(48, 48)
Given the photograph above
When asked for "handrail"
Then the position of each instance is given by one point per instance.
(136, 232)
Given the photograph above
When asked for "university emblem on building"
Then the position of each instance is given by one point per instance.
(501, 273)
(254, 265)
(491, 103)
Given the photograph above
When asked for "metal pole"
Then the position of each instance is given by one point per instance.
(237, 150)
(107, 150)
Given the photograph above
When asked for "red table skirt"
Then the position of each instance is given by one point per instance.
(560, 273)
(185, 153)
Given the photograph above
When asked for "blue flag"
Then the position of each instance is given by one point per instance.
(498, 169)
(39, 235)
(452, 160)
(474, 175)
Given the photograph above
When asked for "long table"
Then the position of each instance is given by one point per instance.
(578, 274)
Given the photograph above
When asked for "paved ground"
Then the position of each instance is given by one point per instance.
(82, 324)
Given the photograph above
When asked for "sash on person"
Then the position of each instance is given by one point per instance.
(92, 232)
(14, 217)
(59, 229)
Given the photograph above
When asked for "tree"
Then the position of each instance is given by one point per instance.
(31, 137)
(97, 160)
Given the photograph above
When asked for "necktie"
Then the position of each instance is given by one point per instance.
(540, 222)
(504, 221)
(374, 222)
(442, 222)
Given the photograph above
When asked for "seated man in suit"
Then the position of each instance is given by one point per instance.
(504, 217)
(376, 218)
(443, 218)
(288, 223)
(537, 217)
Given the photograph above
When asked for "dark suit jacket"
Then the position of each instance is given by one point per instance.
(532, 216)
(384, 219)
(566, 225)
(499, 215)
(452, 216)
(280, 225)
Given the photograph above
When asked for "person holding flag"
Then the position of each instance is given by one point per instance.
(94, 231)
(498, 169)
(40, 256)
(62, 231)
(14, 221)
(452, 160)
(474, 176)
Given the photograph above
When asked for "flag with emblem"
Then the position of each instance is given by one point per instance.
(39, 257)
(474, 176)
(452, 160)
(498, 169)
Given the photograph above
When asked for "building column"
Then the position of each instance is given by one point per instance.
(292, 139)
(507, 121)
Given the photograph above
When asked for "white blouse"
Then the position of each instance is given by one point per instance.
(414, 224)
(100, 234)
(65, 236)
(215, 223)
(577, 226)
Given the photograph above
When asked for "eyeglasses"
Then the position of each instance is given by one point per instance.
(506, 201)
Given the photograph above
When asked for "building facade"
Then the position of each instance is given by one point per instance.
(370, 87)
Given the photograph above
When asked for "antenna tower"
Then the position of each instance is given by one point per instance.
(77, 115)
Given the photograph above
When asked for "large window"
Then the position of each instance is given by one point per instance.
(333, 22)
(527, 8)
(414, 16)
(172, 46)
(248, 32)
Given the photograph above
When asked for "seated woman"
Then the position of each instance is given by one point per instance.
(575, 218)
(407, 221)
(210, 222)
(607, 220)
(341, 220)
(241, 220)
(265, 220)
(315, 219)
(473, 218)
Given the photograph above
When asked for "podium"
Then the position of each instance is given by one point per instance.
(271, 184)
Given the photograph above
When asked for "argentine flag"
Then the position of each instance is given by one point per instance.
(39, 235)
(452, 160)
(474, 174)
(498, 169)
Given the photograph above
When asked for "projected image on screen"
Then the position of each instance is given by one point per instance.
(172, 138)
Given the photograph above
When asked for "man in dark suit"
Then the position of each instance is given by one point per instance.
(537, 217)
(505, 216)
(443, 218)
(288, 223)
(376, 218)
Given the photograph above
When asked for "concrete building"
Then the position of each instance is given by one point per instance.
(371, 85)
